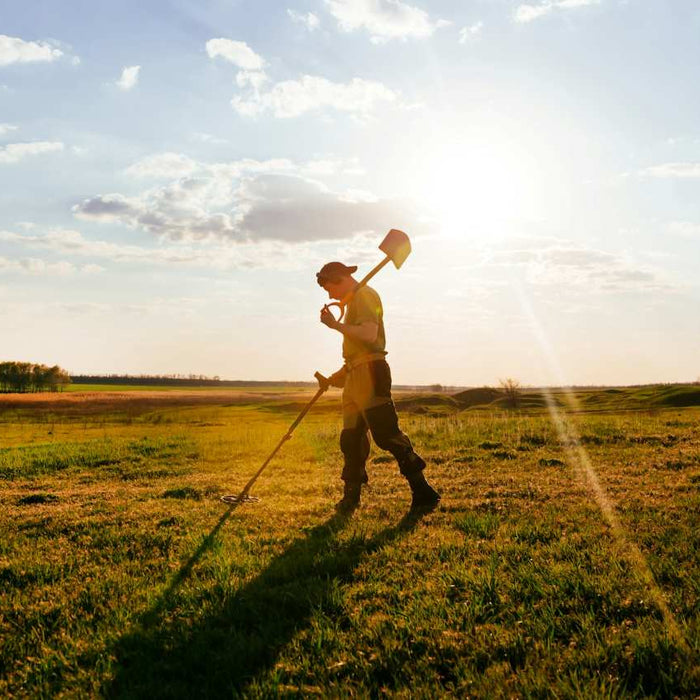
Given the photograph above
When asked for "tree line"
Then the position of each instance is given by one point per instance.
(199, 380)
(23, 377)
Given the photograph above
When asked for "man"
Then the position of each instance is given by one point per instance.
(366, 382)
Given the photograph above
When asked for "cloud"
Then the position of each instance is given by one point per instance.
(7, 128)
(679, 170)
(217, 254)
(14, 152)
(383, 19)
(36, 266)
(247, 201)
(251, 78)
(208, 138)
(528, 13)
(15, 50)
(310, 21)
(683, 229)
(295, 209)
(69, 242)
(292, 98)
(237, 52)
(129, 77)
(467, 33)
(568, 267)
(163, 165)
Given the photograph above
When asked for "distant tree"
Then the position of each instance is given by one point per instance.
(437, 388)
(511, 388)
(27, 376)
(57, 378)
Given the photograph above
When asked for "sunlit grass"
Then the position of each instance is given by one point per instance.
(123, 574)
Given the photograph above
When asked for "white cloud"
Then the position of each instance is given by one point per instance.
(36, 266)
(92, 269)
(330, 166)
(129, 77)
(14, 152)
(470, 32)
(253, 78)
(291, 98)
(7, 128)
(684, 229)
(565, 265)
(294, 209)
(383, 19)
(310, 21)
(237, 52)
(528, 13)
(163, 165)
(217, 254)
(208, 138)
(680, 170)
(294, 97)
(69, 242)
(246, 201)
(15, 50)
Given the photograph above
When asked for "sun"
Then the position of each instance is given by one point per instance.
(478, 183)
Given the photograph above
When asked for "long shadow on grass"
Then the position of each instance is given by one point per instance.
(219, 655)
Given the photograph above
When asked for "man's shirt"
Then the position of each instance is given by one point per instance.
(364, 306)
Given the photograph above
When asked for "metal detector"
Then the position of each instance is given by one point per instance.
(243, 497)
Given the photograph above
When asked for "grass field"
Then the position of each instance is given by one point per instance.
(564, 560)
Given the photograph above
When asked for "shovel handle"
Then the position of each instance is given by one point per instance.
(343, 303)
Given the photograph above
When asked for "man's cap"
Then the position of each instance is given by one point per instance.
(334, 271)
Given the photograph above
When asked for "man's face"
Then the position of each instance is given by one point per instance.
(333, 289)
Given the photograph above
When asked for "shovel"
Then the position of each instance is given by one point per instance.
(396, 247)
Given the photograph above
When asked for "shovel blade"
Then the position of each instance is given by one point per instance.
(396, 246)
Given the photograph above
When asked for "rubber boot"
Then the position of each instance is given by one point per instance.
(425, 497)
(350, 499)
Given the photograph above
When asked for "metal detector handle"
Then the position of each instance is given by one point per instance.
(323, 382)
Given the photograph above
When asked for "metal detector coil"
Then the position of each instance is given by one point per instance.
(233, 499)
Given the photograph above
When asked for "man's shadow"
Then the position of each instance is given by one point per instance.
(243, 633)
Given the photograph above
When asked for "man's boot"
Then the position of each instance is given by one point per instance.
(351, 497)
(425, 497)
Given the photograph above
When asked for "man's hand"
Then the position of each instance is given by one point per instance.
(328, 319)
(337, 379)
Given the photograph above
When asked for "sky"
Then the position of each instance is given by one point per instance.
(174, 173)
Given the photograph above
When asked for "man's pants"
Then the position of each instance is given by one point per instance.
(367, 405)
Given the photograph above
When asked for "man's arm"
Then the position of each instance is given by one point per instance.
(364, 332)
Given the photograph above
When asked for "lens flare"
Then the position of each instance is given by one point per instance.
(579, 459)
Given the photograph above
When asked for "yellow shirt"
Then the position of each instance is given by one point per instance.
(364, 306)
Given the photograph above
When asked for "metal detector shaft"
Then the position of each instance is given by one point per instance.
(243, 495)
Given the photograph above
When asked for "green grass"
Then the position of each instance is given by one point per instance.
(123, 575)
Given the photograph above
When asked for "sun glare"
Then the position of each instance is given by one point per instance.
(468, 186)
